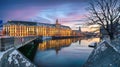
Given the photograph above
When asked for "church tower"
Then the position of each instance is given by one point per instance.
(57, 22)
(79, 29)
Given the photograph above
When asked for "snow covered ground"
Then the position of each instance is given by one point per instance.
(105, 55)
(14, 59)
(116, 45)
(2, 53)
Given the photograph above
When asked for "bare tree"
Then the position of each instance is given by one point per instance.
(105, 13)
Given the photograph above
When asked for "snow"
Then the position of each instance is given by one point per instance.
(15, 56)
(100, 47)
(103, 48)
(16, 62)
(27, 64)
(2, 53)
(12, 57)
(113, 46)
(103, 51)
(23, 60)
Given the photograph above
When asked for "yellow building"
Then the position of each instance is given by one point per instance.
(25, 28)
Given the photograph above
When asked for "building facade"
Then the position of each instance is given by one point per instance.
(24, 28)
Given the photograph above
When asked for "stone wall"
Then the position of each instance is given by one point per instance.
(6, 43)
(103, 56)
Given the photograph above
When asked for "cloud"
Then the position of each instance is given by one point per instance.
(45, 11)
(65, 12)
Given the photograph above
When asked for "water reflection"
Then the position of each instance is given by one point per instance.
(63, 52)
(56, 44)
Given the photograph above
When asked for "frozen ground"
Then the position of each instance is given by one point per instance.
(14, 59)
(2, 53)
(105, 55)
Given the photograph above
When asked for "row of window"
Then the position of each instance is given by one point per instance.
(17, 30)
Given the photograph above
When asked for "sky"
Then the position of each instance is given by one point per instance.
(68, 12)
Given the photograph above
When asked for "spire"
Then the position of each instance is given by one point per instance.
(79, 29)
(57, 21)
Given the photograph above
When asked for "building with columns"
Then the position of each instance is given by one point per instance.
(26, 28)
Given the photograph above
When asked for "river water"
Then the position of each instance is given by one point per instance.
(71, 52)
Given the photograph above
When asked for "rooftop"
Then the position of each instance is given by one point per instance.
(29, 23)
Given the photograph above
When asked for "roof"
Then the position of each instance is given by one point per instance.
(28, 23)
(22, 23)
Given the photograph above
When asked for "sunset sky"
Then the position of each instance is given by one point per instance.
(68, 12)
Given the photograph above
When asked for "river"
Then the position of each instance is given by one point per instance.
(72, 52)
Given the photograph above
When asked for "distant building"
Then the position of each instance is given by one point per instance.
(25, 28)
(78, 32)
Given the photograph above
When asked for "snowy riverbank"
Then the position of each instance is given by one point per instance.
(13, 58)
(106, 54)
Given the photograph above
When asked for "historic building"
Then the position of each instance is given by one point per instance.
(25, 28)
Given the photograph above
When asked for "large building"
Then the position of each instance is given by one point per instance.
(25, 28)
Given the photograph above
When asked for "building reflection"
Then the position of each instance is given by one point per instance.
(60, 43)
(57, 44)
(79, 41)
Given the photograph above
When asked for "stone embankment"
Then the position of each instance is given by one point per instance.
(106, 54)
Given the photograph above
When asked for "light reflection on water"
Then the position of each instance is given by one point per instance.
(63, 52)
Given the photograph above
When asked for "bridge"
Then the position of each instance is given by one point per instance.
(8, 46)
(7, 42)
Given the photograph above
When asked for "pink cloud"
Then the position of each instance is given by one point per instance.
(72, 18)
(22, 14)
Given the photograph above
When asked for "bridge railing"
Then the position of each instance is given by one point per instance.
(7, 42)
(21, 41)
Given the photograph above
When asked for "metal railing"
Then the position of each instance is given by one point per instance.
(21, 41)
(9, 42)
